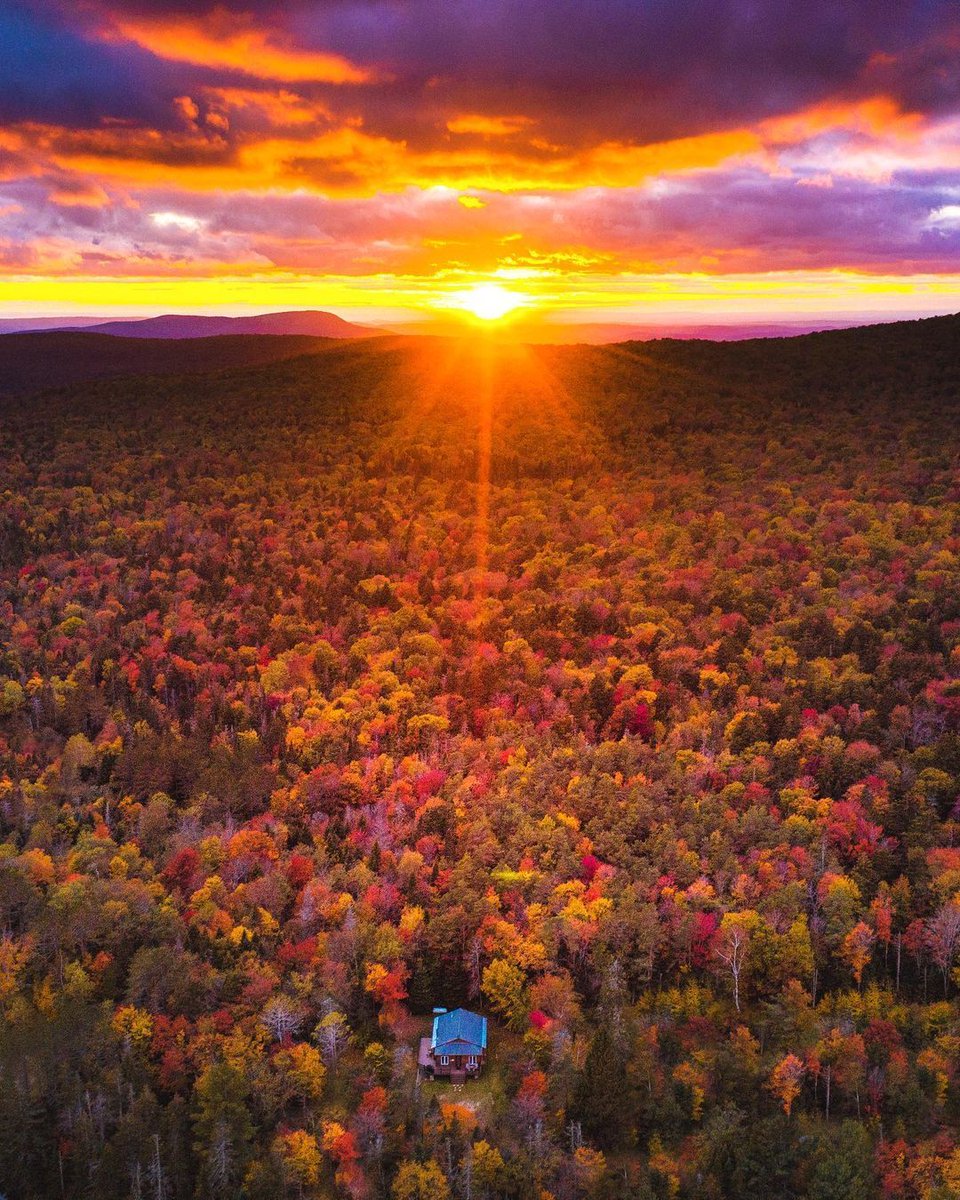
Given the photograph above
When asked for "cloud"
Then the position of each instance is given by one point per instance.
(234, 43)
(561, 139)
(944, 218)
(487, 126)
(226, 137)
(737, 220)
(611, 70)
(175, 220)
(50, 72)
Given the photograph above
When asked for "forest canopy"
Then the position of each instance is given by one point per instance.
(612, 692)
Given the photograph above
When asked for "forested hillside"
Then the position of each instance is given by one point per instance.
(612, 692)
(29, 361)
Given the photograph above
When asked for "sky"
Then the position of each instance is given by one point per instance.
(596, 160)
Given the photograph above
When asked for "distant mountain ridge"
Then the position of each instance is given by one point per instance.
(311, 323)
(46, 324)
(537, 332)
(596, 334)
(532, 331)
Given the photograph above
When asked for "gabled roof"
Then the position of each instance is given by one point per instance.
(459, 1032)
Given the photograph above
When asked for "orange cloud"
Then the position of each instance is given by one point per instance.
(249, 139)
(488, 126)
(355, 163)
(878, 116)
(223, 39)
(126, 155)
(278, 108)
(348, 160)
(871, 139)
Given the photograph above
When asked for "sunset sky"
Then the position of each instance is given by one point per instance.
(598, 159)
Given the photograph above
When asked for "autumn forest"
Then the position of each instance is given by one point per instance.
(612, 692)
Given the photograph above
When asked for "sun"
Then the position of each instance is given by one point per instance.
(488, 301)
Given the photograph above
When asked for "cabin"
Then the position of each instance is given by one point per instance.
(456, 1047)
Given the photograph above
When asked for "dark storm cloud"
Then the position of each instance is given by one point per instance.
(630, 71)
(51, 73)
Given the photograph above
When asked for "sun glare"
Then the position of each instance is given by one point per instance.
(487, 301)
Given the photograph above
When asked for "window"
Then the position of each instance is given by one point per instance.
(472, 1061)
(444, 1060)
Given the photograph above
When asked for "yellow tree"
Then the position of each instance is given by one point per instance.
(505, 987)
(300, 1159)
(590, 1167)
(487, 1169)
(420, 1181)
(302, 1069)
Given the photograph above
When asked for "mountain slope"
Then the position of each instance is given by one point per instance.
(903, 356)
(32, 361)
(40, 324)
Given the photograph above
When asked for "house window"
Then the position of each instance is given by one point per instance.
(444, 1060)
(472, 1061)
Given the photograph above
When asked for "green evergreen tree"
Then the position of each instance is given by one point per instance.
(222, 1129)
(601, 1100)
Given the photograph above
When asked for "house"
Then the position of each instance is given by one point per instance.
(456, 1047)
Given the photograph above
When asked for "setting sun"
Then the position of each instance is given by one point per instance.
(488, 301)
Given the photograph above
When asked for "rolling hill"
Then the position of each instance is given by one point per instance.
(31, 361)
(905, 351)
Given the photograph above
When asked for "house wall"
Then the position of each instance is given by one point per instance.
(458, 1062)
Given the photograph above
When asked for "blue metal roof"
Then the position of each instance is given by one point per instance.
(459, 1032)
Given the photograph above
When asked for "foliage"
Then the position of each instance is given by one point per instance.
(650, 750)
